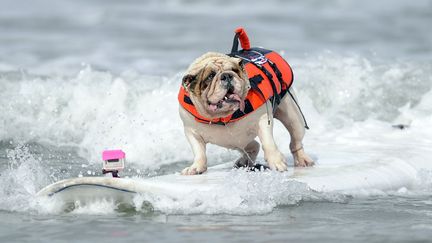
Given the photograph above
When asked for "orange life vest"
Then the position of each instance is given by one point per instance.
(269, 74)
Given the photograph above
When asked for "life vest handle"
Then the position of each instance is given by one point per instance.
(244, 40)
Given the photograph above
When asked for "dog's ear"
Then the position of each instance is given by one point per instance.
(239, 65)
(188, 80)
(239, 62)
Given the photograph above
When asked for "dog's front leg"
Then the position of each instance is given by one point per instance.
(274, 158)
(198, 145)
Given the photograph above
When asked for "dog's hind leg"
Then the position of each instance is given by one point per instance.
(249, 154)
(289, 114)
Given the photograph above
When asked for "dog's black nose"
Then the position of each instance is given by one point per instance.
(226, 77)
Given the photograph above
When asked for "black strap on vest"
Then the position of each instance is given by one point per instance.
(298, 106)
(235, 43)
(276, 98)
(276, 71)
(254, 82)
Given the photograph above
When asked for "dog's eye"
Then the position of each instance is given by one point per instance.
(210, 77)
(207, 80)
(236, 70)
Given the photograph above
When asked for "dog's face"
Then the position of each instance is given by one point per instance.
(217, 85)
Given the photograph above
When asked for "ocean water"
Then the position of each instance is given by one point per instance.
(77, 77)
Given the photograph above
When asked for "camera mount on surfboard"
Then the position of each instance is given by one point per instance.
(113, 162)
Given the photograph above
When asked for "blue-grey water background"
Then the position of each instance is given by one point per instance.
(77, 77)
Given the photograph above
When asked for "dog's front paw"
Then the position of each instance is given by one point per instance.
(277, 161)
(194, 169)
(301, 159)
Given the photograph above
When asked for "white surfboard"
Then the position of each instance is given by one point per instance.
(382, 175)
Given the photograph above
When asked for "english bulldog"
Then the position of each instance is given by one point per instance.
(217, 85)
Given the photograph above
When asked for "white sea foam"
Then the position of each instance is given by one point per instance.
(96, 110)
(242, 193)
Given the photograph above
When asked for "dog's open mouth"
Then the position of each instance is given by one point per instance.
(230, 98)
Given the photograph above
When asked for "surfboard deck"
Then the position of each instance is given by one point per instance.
(330, 178)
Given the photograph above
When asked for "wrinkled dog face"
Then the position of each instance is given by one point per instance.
(217, 85)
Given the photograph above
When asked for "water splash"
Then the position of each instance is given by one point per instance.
(243, 193)
(23, 178)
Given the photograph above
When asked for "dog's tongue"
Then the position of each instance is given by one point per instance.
(213, 107)
(237, 97)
